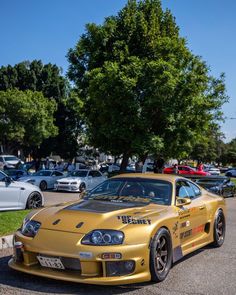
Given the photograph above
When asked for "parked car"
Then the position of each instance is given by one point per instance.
(80, 180)
(128, 229)
(186, 170)
(231, 172)
(9, 161)
(15, 174)
(212, 170)
(219, 185)
(15, 195)
(44, 179)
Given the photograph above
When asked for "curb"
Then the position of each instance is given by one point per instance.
(6, 242)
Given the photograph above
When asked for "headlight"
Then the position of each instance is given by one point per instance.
(30, 228)
(101, 237)
(74, 182)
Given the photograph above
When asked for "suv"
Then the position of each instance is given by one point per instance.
(9, 161)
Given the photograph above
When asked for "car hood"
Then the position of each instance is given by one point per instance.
(87, 215)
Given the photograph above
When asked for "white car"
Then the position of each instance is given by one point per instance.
(80, 180)
(213, 171)
(15, 195)
(44, 179)
(9, 161)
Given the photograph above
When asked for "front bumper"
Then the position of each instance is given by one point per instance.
(92, 268)
(67, 187)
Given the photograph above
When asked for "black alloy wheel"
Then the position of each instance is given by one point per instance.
(43, 185)
(160, 255)
(219, 229)
(82, 187)
(34, 201)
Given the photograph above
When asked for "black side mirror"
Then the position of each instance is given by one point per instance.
(8, 179)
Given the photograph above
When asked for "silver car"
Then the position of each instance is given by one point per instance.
(80, 180)
(15, 195)
(44, 179)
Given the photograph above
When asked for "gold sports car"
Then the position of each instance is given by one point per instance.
(128, 229)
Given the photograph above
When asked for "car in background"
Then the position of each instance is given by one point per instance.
(79, 181)
(221, 185)
(15, 174)
(44, 179)
(212, 170)
(15, 195)
(186, 170)
(231, 172)
(129, 229)
(9, 161)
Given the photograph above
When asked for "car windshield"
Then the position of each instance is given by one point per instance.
(132, 190)
(43, 173)
(11, 158)
(79, 173)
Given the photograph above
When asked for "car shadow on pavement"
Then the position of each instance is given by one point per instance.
(22, 283)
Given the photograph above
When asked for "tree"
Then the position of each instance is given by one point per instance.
(49, 80)
(141, 86)
(26, 119)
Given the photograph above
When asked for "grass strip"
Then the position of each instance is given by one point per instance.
(10, 221)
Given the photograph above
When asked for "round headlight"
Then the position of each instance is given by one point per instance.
(107, 238)
(96, 237)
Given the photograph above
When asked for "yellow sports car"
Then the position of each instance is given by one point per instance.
(128, 229)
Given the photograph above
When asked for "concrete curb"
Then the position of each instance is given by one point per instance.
(6, 242)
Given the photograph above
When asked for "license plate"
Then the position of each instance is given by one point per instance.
(50, 262)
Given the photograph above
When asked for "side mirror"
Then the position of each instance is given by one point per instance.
(180, 202)
(8, 179)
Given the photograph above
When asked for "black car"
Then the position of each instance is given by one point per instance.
(219, 185)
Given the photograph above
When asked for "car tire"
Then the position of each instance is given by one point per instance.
(219, 229)
(161, 255)
(43, 185)
(34, 201)
(82, 187)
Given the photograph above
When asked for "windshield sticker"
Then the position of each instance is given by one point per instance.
(122, 198)
(130, 220)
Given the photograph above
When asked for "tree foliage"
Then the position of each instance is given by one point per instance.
(26, 118)
(141, 86)
(49, 80)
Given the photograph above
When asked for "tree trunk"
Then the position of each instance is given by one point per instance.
(124, 162)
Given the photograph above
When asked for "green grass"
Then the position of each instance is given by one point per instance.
(233, 180)
(10, 221)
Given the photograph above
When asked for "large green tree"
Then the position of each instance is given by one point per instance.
(26, 119)
(49, 80)
(141, 86)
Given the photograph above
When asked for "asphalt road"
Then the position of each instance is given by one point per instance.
(207, 271)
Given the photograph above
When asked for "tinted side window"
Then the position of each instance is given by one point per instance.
(184, 189)
(197, 191)
(96, 174)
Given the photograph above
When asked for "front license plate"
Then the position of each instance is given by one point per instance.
(50, 262)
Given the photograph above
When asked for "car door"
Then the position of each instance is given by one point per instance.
(9, 193)
(192, 217)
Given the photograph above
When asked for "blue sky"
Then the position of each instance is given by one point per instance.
(46, 29)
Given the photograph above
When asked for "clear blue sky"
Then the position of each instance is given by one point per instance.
(46, 29)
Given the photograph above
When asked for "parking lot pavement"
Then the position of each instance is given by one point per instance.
(207, 271)
(54, 197)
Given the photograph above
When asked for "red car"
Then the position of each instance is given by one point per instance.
(182, 169)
